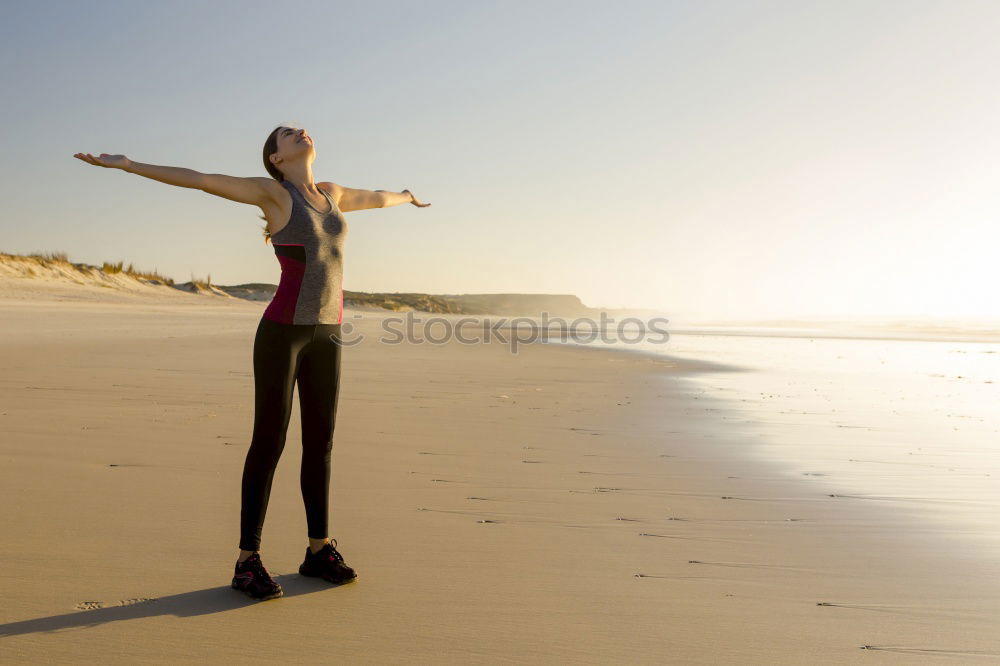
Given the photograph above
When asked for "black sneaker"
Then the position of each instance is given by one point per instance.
(328, 564)
(252, 579)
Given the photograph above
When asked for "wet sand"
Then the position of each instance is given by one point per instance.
(554, 506)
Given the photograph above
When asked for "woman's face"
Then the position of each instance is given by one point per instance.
(294, 144)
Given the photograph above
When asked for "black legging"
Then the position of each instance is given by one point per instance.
(283, 355)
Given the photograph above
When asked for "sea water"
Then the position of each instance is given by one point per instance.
(913, 422)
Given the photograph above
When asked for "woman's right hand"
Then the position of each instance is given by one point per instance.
(105, 160)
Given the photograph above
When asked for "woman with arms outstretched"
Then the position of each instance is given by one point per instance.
(298, 338)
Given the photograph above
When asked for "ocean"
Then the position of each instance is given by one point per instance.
(909, 418)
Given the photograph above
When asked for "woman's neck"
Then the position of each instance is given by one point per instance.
(302, 177)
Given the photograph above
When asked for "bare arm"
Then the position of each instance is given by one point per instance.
(256, 191)
(349, 199)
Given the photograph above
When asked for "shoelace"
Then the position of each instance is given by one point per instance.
(334, 555)
(257, 567)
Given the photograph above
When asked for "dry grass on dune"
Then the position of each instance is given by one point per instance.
(43, 272)
(42, 263)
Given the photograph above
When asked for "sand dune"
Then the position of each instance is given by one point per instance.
(26, 277)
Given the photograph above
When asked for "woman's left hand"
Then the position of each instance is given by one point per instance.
(415, 201)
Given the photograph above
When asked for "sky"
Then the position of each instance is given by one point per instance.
(741, 159)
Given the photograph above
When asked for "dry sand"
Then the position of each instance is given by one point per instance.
(561, 505)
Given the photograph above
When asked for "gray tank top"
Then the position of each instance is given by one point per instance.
(310, 249)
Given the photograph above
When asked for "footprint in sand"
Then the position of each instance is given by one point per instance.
(750, 565)
(94, 605)
(930, 651)
(674, 536)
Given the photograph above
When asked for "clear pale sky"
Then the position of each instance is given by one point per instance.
(730, 159)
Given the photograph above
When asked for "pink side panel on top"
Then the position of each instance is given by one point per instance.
(282, 306)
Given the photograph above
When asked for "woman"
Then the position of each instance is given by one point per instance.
(298, 336)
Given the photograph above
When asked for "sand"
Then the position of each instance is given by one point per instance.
(560, 505)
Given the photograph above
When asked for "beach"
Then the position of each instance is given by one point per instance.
(558, 505)
(770, 436)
